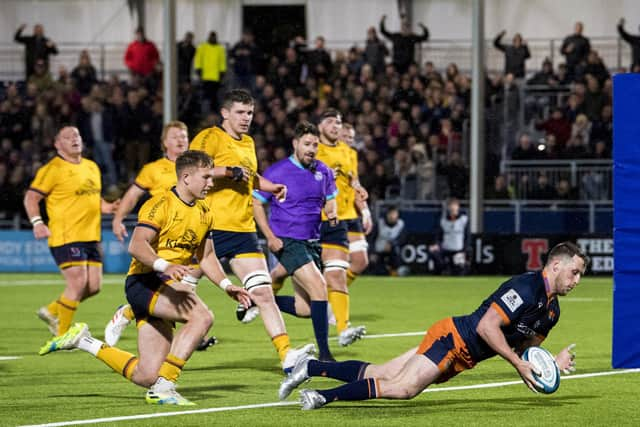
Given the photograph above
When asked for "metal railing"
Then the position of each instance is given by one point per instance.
(591, 178)
(107, 57)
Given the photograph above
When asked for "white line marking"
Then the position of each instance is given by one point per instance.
(48, 282)
(274, 404)
(10, 357)
(403, 334)
(584, 299)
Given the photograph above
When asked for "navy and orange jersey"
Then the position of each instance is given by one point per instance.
(525, 307)
(181, 228)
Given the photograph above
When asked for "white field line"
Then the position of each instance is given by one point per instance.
(49, 282)
(10, 357)
(274, 404)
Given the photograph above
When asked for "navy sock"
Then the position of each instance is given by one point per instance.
(321, 328)
(358, 390)
(347, 371)
(286, 304)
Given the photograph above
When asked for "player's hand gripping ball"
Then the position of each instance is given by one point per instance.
(549, 379)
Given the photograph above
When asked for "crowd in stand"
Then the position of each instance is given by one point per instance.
(408, 118)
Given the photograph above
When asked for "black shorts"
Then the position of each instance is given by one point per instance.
(296, 253)
(77, 254)
(334, 237)
(142, 291)
(354, 226)
(233, 244)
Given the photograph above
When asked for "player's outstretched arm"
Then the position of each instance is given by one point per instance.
(109, 207)
(489, 330)
(278, 190)
(128, 202)
(211, 267)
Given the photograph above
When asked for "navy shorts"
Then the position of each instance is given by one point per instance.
(233, 244)
(77, 254)
(334, 237)
(142, 291)
(296, 253)
(354, 226)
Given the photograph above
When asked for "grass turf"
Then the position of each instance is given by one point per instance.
(243, 368)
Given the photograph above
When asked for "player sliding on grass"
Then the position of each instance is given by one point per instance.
(516, 316)
(171, 229)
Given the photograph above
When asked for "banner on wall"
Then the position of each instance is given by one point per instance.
(21, 253)
(510, 254)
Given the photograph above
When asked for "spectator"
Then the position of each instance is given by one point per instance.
(634, 44)
(594, 99)
(36, 47)
(595, 67)
(404, 43)
(84, 74)
(602, 128)
(210, 63)
(556, 125)
(246, 57)
(185, 52)
(389, 237)
(542, 190)
(581, 128)
(515, 54)
(575, 48)
(499, 191)
(135, 132)
(375, 51)
(141, 56)
(564, 191)
(544, 77)
(525, 149)
(41, 78)
(457, 175)
(96, 128)
(452, 248)
(576, 149)
(318, 60)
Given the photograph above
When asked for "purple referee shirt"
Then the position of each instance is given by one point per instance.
(298, 217)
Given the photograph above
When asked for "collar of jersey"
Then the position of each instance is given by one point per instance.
(230, 136)
(295, 161)
(174, 191)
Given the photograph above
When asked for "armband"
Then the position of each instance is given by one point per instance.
(225, 283)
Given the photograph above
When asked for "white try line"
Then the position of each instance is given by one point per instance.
(274, 404)
(10, 357)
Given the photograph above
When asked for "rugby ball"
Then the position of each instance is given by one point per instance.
(549, 380)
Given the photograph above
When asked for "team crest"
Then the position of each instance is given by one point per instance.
(318, 176)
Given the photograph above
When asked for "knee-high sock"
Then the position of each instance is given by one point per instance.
(340, 303)
(286, 304)
(171, 368)
(351, 276)
(66, 310)
(321, 328)
(282, 344)
(128, 312)
(122, 362)
(347, 371)
(52, 307)
(358, 390)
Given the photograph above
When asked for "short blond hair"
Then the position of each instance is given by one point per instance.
(165, 130)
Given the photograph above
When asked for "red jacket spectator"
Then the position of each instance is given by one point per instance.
(142, 55)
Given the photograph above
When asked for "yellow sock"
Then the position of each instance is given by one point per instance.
(351, 276)
(120, 361)
(128, 312)
(282, 344)
(340, 304)
(277, 285)
(66, 311)
(53, 307)
(171, 368)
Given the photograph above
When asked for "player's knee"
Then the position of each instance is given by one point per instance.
(145, 376)
(257, 282)
(262, 295)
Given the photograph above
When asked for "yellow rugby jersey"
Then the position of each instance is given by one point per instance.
(231, 201)
(72, 197)
(180, 227)
(343, 160)
(158, 176)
